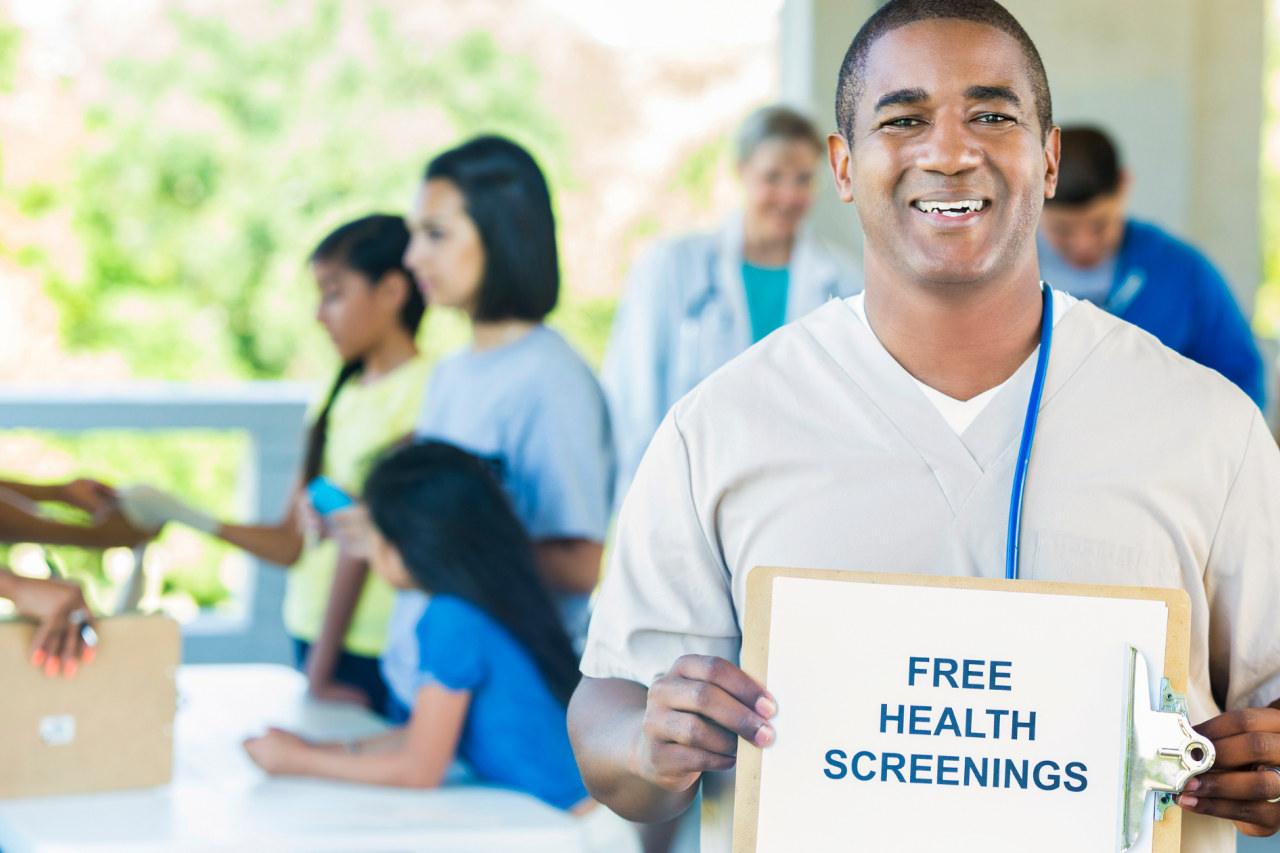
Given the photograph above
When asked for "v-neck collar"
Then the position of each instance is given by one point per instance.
(958, 462)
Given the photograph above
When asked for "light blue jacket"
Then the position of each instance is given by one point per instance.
(683, 315)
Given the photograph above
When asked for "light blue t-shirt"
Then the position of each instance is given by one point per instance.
(766, 298)
(535, 407)
(515, 733)
(1093, 284)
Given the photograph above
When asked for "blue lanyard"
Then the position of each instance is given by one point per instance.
(1028, 436)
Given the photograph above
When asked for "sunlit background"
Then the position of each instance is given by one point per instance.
(168, 165)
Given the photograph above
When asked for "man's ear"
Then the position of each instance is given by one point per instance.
(1052, 153)
(840, 156)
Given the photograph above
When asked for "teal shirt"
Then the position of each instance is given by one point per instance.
(766, 298)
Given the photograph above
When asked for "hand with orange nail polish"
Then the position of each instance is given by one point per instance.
(60, 611)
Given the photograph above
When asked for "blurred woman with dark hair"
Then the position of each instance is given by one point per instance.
(484, 242)
(334, 611)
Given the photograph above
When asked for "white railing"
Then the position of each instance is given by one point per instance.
(271, 413)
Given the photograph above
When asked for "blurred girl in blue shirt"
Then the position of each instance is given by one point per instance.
(495, 666)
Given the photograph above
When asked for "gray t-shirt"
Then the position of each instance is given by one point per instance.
(534, 407)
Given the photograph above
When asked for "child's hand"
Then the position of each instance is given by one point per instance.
(278, 752)
(310, 522)
(353, 530)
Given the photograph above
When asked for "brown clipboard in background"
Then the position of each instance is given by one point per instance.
(1167, 835)
(122, 705)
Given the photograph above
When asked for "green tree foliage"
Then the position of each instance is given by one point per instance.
(209, 176)
(215, 170)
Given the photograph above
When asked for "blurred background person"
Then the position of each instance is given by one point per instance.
(484, 242)
(495, 666)
(699, 300)
(1090, 248)
(334, 610)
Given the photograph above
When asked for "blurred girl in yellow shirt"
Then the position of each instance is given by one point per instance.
(335, 610)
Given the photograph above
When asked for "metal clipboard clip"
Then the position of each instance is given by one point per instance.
(1162, 751)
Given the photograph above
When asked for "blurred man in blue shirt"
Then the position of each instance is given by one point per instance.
(1089, 248)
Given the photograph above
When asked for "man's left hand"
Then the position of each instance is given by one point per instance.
(1236, 789)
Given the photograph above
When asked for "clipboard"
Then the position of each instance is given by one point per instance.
(756, 647)
(109, 728)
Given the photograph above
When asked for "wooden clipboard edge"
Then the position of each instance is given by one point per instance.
(162, 652)
(1167, 834)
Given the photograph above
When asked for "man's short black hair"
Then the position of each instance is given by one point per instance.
(1089, 168)
(899, 13)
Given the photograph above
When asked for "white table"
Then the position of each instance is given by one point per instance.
(219, 801)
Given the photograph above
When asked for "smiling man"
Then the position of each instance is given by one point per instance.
(880, 434)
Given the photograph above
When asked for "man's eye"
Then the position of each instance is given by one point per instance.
(993, 118)
(905, 121)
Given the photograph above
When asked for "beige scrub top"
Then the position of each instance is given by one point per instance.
(815, 449)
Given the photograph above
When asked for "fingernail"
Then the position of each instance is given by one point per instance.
(89, 655)
(51, 668)
(37, 657)
(70, 669)
(1193, 785)
(766, 707)
(1187, 802)
(764, 736)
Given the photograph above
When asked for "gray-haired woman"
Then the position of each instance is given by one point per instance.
(699, 300)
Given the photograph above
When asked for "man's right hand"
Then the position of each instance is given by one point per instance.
(693, 719)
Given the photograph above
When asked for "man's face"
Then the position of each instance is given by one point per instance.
(948, 169)
(1086, 234)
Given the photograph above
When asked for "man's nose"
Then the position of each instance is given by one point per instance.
(949, 148)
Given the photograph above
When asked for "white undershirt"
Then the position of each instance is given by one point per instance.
(960, 413)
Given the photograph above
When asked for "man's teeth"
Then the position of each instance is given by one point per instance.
(952, 208)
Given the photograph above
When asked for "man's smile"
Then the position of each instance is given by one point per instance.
(951, 212)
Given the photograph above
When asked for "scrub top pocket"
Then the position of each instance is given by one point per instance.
(1068, 558)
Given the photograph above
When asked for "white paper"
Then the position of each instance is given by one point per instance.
(839, 651)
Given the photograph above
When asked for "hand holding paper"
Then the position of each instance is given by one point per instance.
(1239, 789)
(694, 717)
(149, 508)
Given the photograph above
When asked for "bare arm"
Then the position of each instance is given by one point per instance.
(322, 661)
(642, 752)
(88, 495)
(279, 543)
(109, 531)
(430, 743)
(569, 565)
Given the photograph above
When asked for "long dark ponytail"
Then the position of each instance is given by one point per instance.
(444, 511)
(372, 246)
